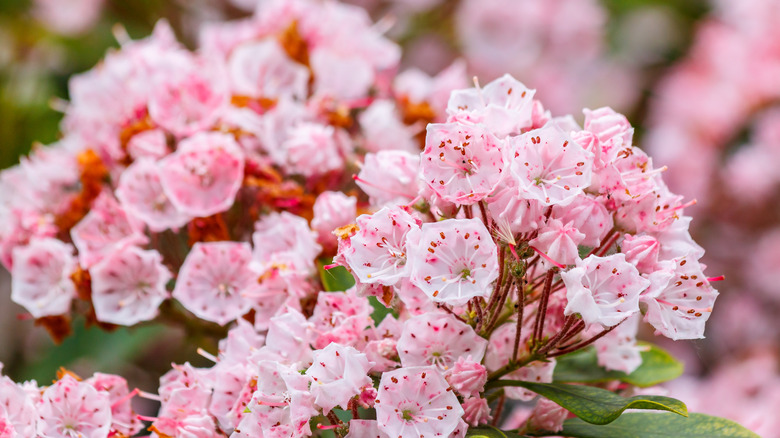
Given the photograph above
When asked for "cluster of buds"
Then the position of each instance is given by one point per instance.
(507, 238)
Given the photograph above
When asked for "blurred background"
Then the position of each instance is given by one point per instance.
(699, 80)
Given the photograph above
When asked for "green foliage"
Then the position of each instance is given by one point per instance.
(335, 279)
(596, 405)
(582, 367)
(654, 425)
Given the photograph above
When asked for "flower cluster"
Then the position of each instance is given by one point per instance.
(211, 187)
(164, 150)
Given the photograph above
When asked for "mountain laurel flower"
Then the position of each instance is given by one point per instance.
(547, 415)
(416, 401)
(18, 412)
(214, 280)
(129, 285)
(618, 350)
(603, 290)
(339, 373)
(461, 163)
(559, 242)
(468, 376)
(389, 177)
(681, 302)
(550, 166)
(476, 411)
(141, 194)
(204, 174)
(504, 105)
(40, 277)
(454, 261)
(378, 251)
(106, 228)
(70, 408)
(332, 210)
(438, 339)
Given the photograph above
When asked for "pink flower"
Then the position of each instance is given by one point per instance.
(461, 163)
(550, 166)
(288, 340)
(559, 242)
(191, 97)
(504, 105)
(467, 376)
(339, 373)
(454, 260)
(123, 419)
(148, 144)
(17, 411)
(681, 300)
(214, 279)
(641, 251)
(365, 429)
(389, 177)
(612, 129)
(332, 210)
(142, 195)
(514, 213)
(476, 411)
(313, 149)
(438, 339)
(40, 278)
(204, 174)
(104, 230)
(378, 251)
(415, 401)
(261, 69)
(129, 285)
(340, 317)
(72, 408)
(589, 216)
(603, 290)
(282, 404)
(547, 415)
(617, 350)
(284, 238)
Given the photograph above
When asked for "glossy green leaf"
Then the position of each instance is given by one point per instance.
(655, 425)
(336, 279)
(490, 432)
(596, 405)
(582, 367)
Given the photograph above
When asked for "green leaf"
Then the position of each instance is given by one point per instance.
(582, 367)
(654, 425)
(490, 432)
(335, 279)
(596, 405)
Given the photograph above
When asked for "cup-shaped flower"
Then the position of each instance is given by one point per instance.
(416, 401)
(680, 300)
(603, 290)
(70, 408)
(339, 373)
(204, 174)
(40, 277)
(454, 260)
(378, 252)
(438, 339)
(142, 195)
(214, 279)
(549, 166)
(129, 285)
(462, 163)
(17, 410)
